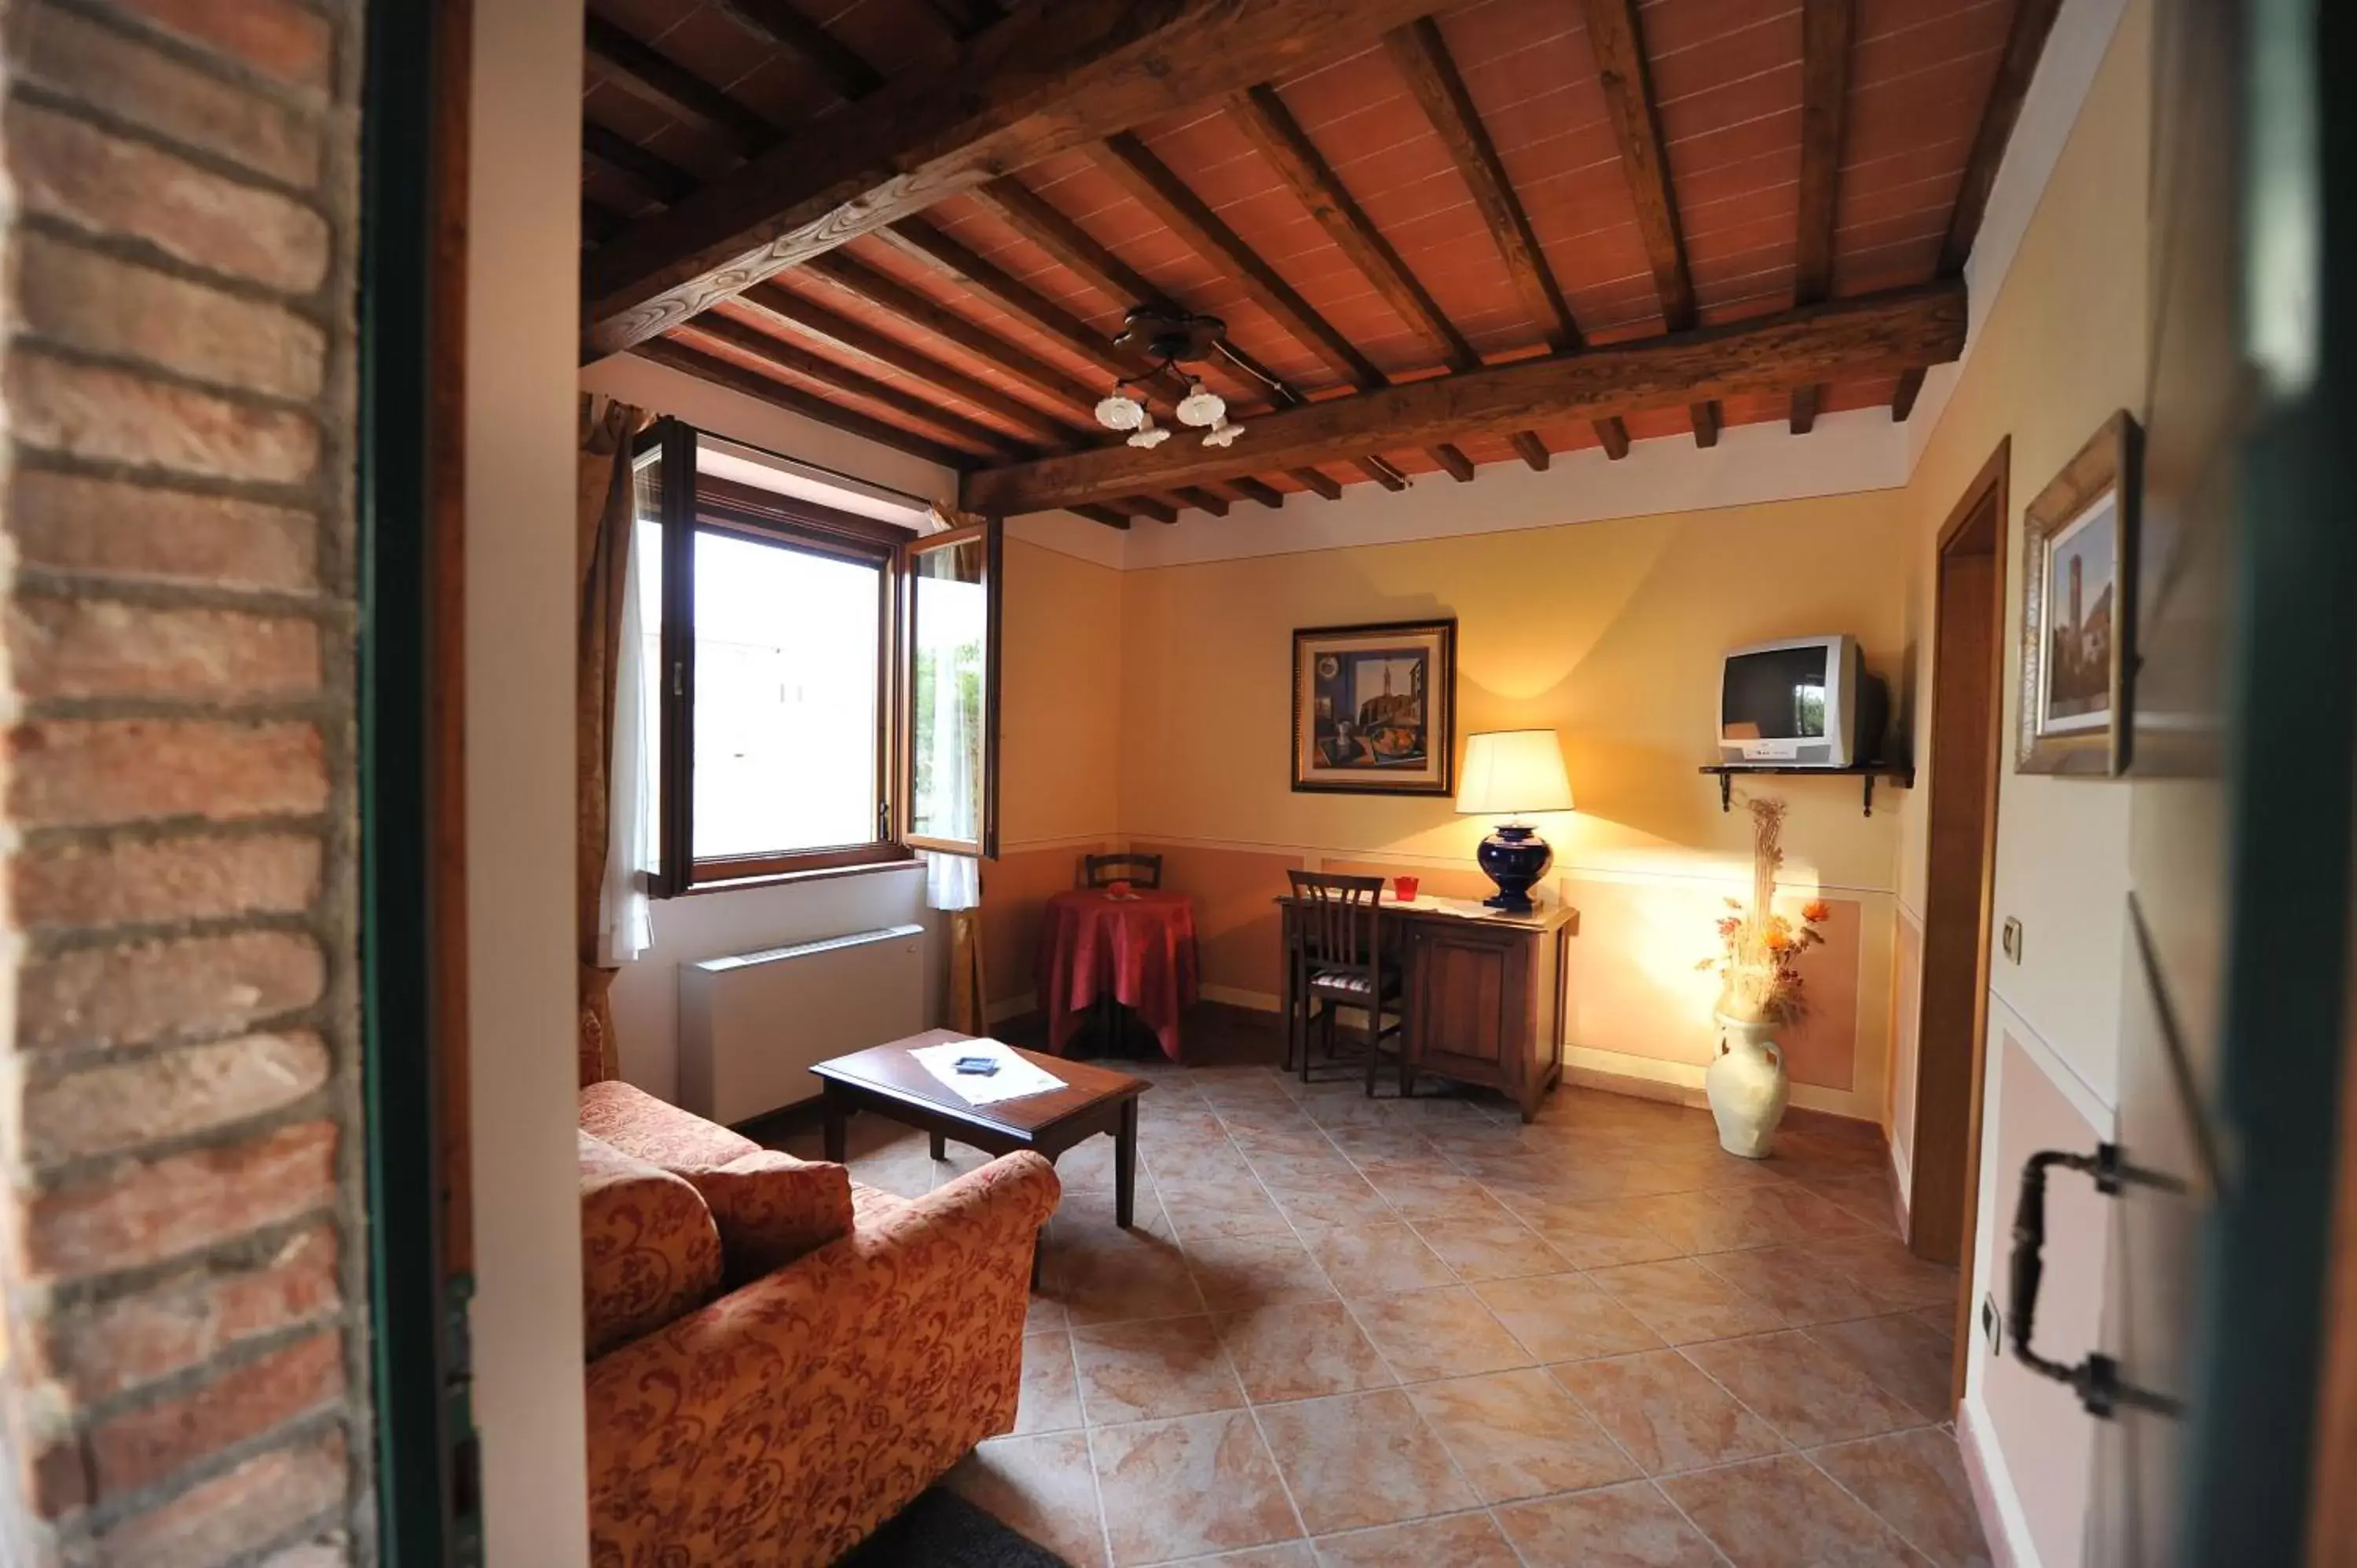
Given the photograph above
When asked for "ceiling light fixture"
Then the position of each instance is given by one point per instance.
(1169, 337)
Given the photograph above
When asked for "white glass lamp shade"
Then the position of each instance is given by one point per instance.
(1512, 772)
(1200, 407)
(1121, 411)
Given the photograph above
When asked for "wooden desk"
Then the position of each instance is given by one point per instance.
(1485, 1001)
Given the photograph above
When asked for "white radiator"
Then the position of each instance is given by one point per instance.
(752, 1025)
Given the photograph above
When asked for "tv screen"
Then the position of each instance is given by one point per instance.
(1777, 693)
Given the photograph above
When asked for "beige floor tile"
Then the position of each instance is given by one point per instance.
(1620, 1527)
(1784, 1513)
(1438, 1333)
(1220, 1207)
(1377, 1260)
(1665, 1413)
(1499, 1249)
(1707, 1221)
(1905, 1356)
(1351, 1202)
(1794, 1280)
(1051, 1395)
(1593, 1234)
(1189, 1487)
(1683, 1302)
(1804, 1390)
(1456, 1541)
(1290, 1554)
(1301, 1352)
(1885, 1268)
(1563, 1317)
(1103, 1274)
(1519, 1434)
(1142, 1372)
(1041, 1487)
(1915, 1482)
(1326, 1165)
(1238, 1272)
(1045, 1313)
(1358, 1460)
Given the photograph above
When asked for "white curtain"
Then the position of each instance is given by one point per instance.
(952, 881)
(625, 914)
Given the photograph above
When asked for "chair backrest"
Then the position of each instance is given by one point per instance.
(1137, 870)
(1336, 918)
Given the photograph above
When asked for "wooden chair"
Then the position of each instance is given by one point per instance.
(1104, 871)
(1337, 957)
(1137, 870)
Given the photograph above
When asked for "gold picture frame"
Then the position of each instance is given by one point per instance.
(2078, 610)
(1374, 708)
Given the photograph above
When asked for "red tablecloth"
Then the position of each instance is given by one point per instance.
(1141, 949)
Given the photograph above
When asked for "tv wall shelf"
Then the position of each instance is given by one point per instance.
(1901, 774)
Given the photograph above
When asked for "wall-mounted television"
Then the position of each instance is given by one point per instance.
(1803, 701)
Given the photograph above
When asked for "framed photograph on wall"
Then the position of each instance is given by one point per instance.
(1374, 708)
(2078, 610)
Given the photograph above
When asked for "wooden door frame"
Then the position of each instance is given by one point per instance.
(1929, 1190)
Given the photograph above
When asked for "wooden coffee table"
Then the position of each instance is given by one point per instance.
(895, 1085)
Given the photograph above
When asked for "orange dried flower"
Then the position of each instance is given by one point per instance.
(1816, 911)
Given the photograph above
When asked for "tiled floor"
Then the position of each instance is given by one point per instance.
(1383, 1335)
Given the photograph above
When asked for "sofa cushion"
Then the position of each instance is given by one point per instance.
(772, 1208)
(649, 1129)
(650, 1251)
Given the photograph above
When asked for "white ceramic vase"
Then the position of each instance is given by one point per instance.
(1747, 1086)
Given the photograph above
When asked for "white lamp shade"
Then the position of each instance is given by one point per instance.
(1512, 772)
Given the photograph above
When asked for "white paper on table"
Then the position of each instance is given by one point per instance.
(1463, 908)
(1014, 1078)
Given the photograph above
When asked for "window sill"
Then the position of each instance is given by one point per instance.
(797, 878)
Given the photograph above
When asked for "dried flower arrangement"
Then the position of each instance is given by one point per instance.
(1760, 947)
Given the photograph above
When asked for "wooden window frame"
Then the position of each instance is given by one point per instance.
(991, 536)
(722, 507)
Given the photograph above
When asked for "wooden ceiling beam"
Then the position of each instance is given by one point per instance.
(1870, 335)
(1253, 490)
(1383, 473)
(735, 378)
(777, 22)
(646, 72)
(659, 178)
(1270, 127)
(1149, 506)
(1055, 75)
(801, 362)
(2032, 21)
(965, 19)
(1319, 482)
(1161, 192)
(1111, 517)
(1620, 50)
(1453, 461)
(1531, 449)
(600, 222)
(1421, 56)
(810, 316)
(1196, 495)
(979, 275)
(1827, 26)
(890, 294)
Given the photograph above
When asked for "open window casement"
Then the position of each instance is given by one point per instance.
(948, 679)
(826, 676)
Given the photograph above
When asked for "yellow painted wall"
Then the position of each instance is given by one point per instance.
(1611, 632)
(2062, 346)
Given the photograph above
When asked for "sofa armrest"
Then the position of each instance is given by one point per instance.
(782, 1422)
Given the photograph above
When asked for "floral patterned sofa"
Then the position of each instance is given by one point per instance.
(775, 1424)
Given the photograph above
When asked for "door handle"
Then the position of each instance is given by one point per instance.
(2096, 1380)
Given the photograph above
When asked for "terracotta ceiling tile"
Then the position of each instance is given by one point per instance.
(1874, 392)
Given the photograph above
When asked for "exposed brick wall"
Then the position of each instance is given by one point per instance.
(183, 1250)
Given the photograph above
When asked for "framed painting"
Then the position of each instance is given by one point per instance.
(1374, 708)
(2078, 610)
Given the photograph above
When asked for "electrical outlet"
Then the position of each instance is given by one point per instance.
(1993, 1324)
(2010, 938)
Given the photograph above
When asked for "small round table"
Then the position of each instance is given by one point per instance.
(1139, 950)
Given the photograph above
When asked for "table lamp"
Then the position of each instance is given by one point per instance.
(1509, 773)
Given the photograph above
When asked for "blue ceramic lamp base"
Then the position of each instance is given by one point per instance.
(1514, 857)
